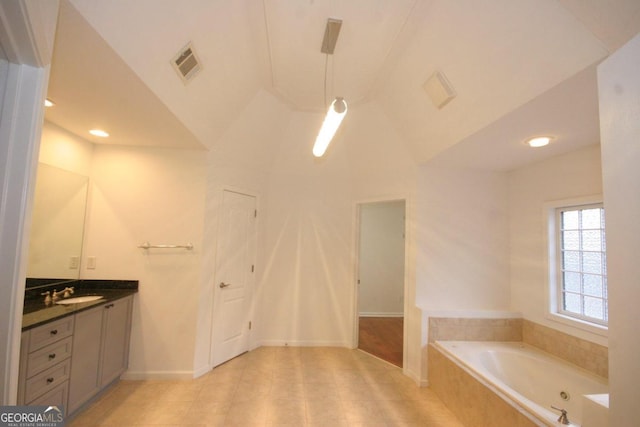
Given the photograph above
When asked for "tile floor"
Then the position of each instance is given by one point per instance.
(277, 386)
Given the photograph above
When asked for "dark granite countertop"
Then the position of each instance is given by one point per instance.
(36, 312)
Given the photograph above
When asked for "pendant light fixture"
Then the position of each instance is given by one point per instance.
(338, 108)
(337, 111)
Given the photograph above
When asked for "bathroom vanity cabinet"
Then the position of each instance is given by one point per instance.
(68, 361)
(100, 349)
(45, 363)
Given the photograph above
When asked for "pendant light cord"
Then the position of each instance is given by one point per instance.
(326, 66)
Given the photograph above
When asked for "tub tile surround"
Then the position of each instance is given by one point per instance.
(585, 354)
(474, 329)
(477, 404)
(471, 401)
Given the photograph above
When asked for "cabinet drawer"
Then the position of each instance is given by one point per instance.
(50, 333)
(57, 396)
(48, 356)
(47, 380)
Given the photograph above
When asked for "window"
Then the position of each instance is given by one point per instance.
(580, 263)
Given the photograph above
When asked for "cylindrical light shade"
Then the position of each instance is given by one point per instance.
(337, 111)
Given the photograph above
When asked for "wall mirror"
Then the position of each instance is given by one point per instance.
(55, 246)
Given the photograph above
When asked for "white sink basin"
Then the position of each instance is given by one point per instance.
(78, 300)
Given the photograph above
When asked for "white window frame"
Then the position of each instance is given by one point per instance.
(554, 278)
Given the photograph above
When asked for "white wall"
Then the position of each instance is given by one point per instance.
(463, 241)
(619, 90)
(306, 294)
(463, 247)
(381, 259)
(65, 150)
(380, 165)
(571, 175)
(154, 195)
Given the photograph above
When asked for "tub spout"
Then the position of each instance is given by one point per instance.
(563, 419)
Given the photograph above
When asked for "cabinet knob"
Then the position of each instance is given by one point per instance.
(49, 380)
(108, 306)
(52, 356)
(54, 332)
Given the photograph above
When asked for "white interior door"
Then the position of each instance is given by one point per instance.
(233, 287)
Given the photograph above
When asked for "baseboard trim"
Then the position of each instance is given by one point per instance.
(415, 377)
(201, 371)
(283, 343)
(378, 314)
(157, 375)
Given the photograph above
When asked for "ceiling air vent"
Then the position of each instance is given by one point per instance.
(439, 89)
(186, 63)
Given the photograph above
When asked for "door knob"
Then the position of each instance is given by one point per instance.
(224, 285)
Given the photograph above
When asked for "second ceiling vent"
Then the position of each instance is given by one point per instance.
(186, 63)
(440, 91)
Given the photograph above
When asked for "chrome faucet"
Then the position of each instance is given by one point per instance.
(563, 419)
(66, 292)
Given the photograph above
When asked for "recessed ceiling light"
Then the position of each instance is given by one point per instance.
(99, 132)
(538, 141)
(48, 103)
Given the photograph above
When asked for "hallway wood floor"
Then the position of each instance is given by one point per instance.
(382, 337)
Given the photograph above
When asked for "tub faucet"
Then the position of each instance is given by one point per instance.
(563, 419)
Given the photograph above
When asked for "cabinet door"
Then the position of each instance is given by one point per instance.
(116, 331)
(85, 357)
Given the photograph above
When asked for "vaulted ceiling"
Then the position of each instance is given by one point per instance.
(518, 68)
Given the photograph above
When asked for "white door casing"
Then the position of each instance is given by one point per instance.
(233, 284)
(401, 273)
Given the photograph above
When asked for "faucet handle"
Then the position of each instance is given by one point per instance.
(47, 297)
(563, 419)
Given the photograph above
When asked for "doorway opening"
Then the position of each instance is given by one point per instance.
(381, 279)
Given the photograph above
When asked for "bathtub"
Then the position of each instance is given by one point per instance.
(530, 379)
